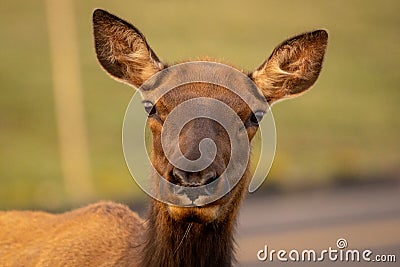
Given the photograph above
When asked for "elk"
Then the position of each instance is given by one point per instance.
(110, 234)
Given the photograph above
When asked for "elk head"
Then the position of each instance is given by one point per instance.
(292, 68)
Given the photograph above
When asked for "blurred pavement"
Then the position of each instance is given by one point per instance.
(367, 216)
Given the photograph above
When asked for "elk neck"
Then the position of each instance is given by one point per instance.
(167, 242)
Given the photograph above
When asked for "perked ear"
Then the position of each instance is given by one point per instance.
(293, 66)
(122, 49)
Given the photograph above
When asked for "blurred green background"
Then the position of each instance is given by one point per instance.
(346, 129)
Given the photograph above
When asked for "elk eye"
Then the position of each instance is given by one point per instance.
(259, 115)
(149, 108)
(255, 118)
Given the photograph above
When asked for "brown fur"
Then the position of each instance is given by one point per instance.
(82, 237)
(109, 234)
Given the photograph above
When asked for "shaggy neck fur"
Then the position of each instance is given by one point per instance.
(171, 243)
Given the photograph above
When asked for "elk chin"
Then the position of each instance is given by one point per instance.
(202, 215)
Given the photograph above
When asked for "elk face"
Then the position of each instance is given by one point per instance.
(292, 68)
(190, 137)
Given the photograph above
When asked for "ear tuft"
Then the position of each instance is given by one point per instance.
(122, 49)
(293, 66)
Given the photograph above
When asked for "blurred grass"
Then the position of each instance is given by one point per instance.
(348, 125)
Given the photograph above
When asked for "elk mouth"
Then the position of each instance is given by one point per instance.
(195, 194)
(196, 203)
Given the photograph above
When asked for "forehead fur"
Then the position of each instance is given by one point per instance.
(195, 90)
(201, 78)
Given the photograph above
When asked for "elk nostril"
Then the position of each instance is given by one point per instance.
(179, 177)
(192, 179)
(208, 177)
